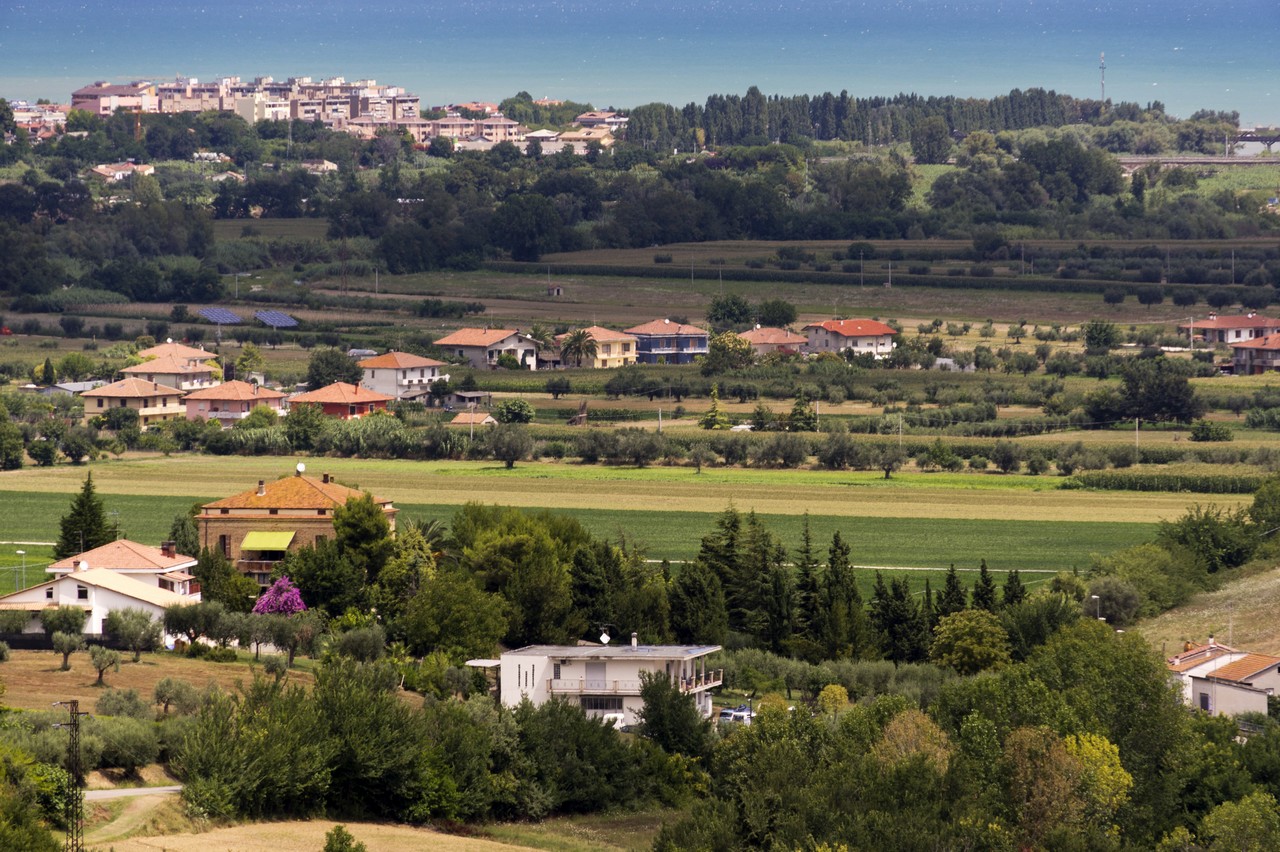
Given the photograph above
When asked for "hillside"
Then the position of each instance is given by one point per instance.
(1241, 614)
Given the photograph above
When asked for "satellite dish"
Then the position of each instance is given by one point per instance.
(604, 638)
(168, 340)
(302, 468)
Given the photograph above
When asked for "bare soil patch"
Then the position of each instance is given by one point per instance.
(300, 836)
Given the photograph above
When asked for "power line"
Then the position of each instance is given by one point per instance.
(75, 768)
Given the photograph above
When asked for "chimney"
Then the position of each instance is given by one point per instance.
(1212, 643)
(169, 549)
(633, 640)
(262, 488)
(325, 479)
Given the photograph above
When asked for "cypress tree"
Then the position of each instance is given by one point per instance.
(844, 628)
(953, 598)
(697, 606)
(984, 590)
(926, 608)
(808, 587)
(1014, 592)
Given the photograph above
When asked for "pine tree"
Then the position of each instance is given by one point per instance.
(185, 535)
(84, 527)
(926, 608)
(1014, 592)
(844, 631)
(984, 590)
(953, 597)
(697, 606)
(808, 586)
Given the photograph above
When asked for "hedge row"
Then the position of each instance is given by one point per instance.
(1203, 483)
(957, 282)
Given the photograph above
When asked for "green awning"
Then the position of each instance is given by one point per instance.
(267, 541)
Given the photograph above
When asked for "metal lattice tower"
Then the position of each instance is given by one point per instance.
(1102, 69)
(75, 768)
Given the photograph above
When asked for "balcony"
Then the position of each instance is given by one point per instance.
(596, 686)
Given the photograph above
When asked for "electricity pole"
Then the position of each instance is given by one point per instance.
(75, 797)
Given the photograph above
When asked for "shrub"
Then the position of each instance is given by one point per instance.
(1205, 430)
(4, 652)
(125, 703)
(221, 655)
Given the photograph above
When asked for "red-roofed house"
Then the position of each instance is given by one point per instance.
(766, 340)
(665, 342)
(1197, 660)
(861, 335)
(162, 566)
(116, 172)
(180, 373)
(231, 401)
(256, 528)
(482, 347)
(1232, 329)
(401, 374)
(344, 401)
(97, 591)
(1239, 686)
(155, 403)
(1259, 355)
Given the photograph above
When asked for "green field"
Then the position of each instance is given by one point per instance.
(924, 521)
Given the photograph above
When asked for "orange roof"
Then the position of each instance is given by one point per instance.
(177, 350)
(168, 365)
(854, 327)
(293, 492)
(475, 337)
(398, 361)
(773, 337)
(1197, 655)
(1271, 341)
(665, 326)
(236, 391)
(600, 334)
(342, 393)
(125, 555)
(133, 389)
(1246, 667)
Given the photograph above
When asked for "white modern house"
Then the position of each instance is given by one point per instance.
(98, 591)
(860, 335)
(401, 374)
(603, 679)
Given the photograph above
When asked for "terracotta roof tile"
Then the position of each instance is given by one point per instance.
(854, 327)
(125, 555)
(601, 335)
(341, 393)
(1271, 341)
(133, 389)
(773, 337)
(168, 365)
(1237, 321)
(236, 391)
(1245, 668)
(177, 350)
(468, 418)
(398, 361)
(293, 492)
(665, 326)
(475, 337)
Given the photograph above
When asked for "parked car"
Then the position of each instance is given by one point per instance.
(740, 715)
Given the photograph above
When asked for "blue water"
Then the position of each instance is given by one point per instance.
(1187, 54)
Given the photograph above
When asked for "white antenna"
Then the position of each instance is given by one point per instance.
(1102, 68)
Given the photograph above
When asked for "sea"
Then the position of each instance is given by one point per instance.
(1188, 54)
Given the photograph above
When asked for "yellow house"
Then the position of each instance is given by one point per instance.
(155, 403)
(613, 348)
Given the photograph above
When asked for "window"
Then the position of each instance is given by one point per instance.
(224, 511)
(602, 703)
(1204, 701)
(273, 511)
(320, 512)
(224, 544)
(555, 672)
(100, 403)
(48, 593)
(82, 593)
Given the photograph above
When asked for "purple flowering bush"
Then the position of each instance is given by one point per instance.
(283, 598)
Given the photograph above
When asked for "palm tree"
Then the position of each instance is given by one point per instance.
(578, 345)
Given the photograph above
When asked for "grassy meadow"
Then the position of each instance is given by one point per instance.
(917, 521)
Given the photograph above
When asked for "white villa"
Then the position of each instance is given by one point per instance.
(604, 680)
(98, 591)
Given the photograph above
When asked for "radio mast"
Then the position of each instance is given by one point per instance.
(1102, 68)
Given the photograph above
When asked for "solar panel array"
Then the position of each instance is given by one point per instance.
(275, 319)
(221, 316)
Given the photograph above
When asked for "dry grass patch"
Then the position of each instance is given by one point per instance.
(32, 680)
(1241, 614)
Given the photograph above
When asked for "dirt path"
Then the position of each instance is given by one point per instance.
(138, 811)
(296, 836)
